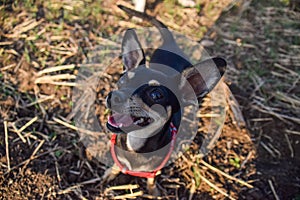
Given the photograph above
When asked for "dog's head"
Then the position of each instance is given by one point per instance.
(147, 98)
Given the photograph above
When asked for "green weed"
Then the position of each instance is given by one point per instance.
(235, 162)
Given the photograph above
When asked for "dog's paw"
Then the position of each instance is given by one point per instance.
(110, 174)
(154, 191)
(152, 188)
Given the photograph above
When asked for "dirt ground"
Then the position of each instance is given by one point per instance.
(43, 46)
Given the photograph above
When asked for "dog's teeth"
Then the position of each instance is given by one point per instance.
(141, 120)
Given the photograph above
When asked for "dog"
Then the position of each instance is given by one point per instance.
(147, 106)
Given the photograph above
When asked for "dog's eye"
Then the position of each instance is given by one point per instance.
(156, 95)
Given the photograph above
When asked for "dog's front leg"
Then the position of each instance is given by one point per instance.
(110, 174)
(151, 187)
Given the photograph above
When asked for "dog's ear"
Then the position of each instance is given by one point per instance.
(132, 52)
(204, 76)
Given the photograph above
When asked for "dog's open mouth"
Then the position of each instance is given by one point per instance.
(117, 121)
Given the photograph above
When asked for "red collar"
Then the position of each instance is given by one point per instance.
(138, 173)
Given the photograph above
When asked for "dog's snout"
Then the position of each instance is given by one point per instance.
(115, 98)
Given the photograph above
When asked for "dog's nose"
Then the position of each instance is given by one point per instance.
(115, 98)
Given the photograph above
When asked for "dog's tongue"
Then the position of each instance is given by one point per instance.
(120, 120)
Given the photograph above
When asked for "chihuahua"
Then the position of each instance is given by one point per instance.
(146, 108)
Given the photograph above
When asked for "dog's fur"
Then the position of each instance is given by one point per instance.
(144, 104)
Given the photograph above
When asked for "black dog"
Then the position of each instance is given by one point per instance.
(146, 108)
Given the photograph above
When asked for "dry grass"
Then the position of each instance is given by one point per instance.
(40, 54)
(262, 43)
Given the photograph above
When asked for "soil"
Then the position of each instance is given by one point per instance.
(53, 163)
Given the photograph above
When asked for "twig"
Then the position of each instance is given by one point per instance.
(239, 43)
(268, 110)
(91, 168)
(32, 157)
(65, 124)
(192, 190)
(215, 187)
(125, 187)
(56, 167)
(274, 149)
(79, 194)
(56, 68)
(71, 188)
(27, 124)
(40, 100)
(261, 119)
(171, 186)
(51, 79)
(246, 160)
(284, 97)
(226, 175)
(293, 85)
(122, 187)
(152, 197)
(23, 27)
(292, 132)
(8, 67)
(131, 195)
(68, 190)
(6, 146)
(6, 43)
(289, 145)
(76, 128)
(12, 51)
(208, 115)
(273, 190)
(286, 69)
(267, 149)
(68, 84)
(18, 133)
(258, 82)
(91, 181)
(27, 160)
